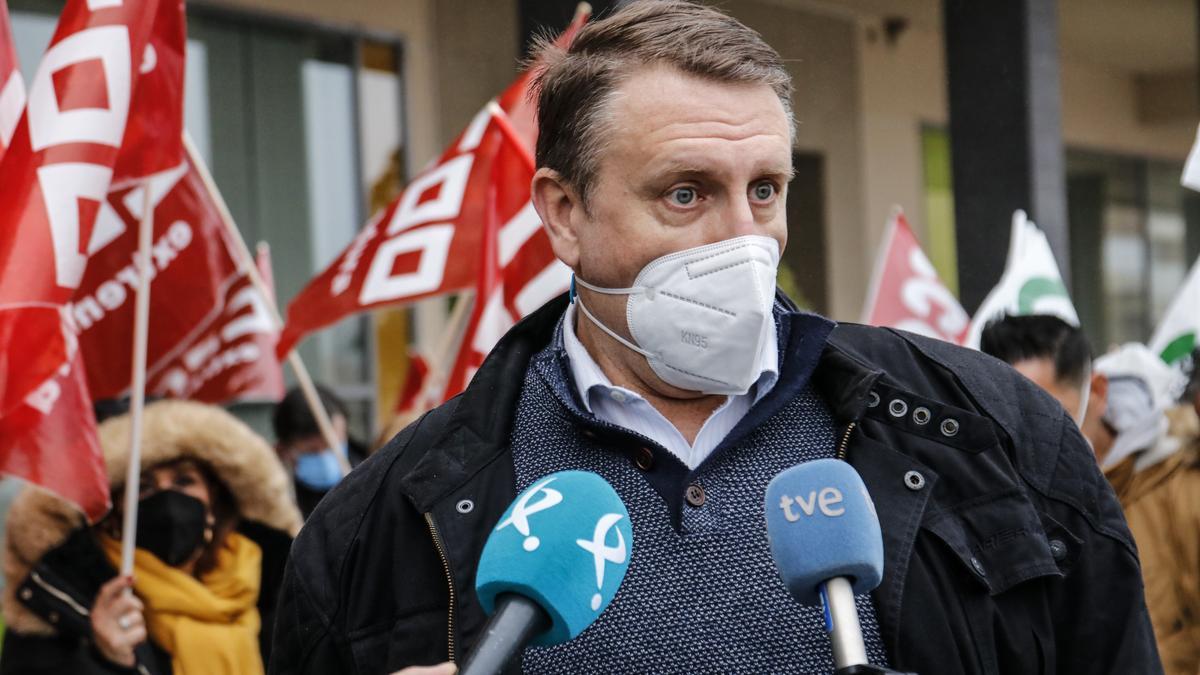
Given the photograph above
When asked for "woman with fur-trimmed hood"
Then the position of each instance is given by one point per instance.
(215, 521)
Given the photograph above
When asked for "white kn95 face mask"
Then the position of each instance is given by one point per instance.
(701, 316)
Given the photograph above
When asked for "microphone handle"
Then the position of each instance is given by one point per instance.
(841, 620)
(516, 620)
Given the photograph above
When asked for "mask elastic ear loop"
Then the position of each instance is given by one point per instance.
(610, 332)
(1085, 398)
(607, 291)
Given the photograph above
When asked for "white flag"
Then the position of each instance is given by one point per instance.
(1175, 337)
(1191, 170)
(1031, 283)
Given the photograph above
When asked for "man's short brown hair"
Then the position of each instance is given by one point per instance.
(574, 86)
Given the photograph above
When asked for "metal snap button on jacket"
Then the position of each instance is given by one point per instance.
(949, 427)
(913, 480)
(1058, 550)
(644, 459)
(922, 416)
(898, 408)
(465, 506)
(978, 566)
(695, 495)
(872, 400)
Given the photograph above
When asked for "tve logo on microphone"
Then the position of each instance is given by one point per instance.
(822, 524)
(828, 500)
(565, 542)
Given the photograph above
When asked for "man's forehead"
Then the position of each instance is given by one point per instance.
(660, 108)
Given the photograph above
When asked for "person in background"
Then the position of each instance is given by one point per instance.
(1151, 456)
(214, 526)
(1052, 353)
(298, 440)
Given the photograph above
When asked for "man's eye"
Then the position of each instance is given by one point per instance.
(764, 192)
(683, 196)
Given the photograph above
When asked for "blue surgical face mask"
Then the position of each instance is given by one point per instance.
(320, 470)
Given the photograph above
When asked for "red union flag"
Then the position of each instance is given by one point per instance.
(403, 253)
(436, 236)
(12, 87)
(906, 292)
(110, 78)
(212, 335)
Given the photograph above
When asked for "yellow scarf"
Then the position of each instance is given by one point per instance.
(209, 626)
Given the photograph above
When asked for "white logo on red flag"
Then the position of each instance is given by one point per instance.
(215, 347)
(90, 102)
(440, 236)
(906, 292)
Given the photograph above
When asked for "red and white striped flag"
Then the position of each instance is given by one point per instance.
(906, 292)
(12, 87)
(103, 105)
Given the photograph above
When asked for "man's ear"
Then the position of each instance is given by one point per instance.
(1099, 387)
(561, 211)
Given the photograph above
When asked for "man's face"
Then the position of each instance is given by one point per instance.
(687, 162)
(1043, 374)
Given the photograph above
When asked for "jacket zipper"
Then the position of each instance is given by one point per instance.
(437, 542)
(841, 453)
(66, 599)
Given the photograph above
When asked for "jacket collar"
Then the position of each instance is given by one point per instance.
(481, 423)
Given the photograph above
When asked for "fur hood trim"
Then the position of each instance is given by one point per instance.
(241, 459)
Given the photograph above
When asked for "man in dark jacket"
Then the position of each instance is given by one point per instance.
(680, 376)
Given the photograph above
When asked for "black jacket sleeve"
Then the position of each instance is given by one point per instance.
(1101, 621)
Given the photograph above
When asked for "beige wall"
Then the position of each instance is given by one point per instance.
(822, 56)
(1101, 112)
(903, 88)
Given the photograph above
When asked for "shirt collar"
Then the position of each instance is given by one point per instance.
(591, 381)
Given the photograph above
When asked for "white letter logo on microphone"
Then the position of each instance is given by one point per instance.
(523, 509)
(601, 553)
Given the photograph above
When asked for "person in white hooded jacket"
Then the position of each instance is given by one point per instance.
(1157, 478)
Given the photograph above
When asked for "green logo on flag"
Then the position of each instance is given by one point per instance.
(1035, 290)
(1179, 347)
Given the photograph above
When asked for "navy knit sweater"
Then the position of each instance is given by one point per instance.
(702, 594)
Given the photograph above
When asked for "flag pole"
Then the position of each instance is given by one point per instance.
(246, 262)
(141, 331)
(456, 328)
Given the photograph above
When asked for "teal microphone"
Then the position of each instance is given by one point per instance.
(550, 567)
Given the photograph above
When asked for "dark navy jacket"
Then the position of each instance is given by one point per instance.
(1005, 548)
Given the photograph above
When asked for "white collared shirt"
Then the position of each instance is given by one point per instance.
(628, 410)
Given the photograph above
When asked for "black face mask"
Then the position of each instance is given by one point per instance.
(171, 525)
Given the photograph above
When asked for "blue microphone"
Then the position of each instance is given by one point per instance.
(550, 567)
(827, 546)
